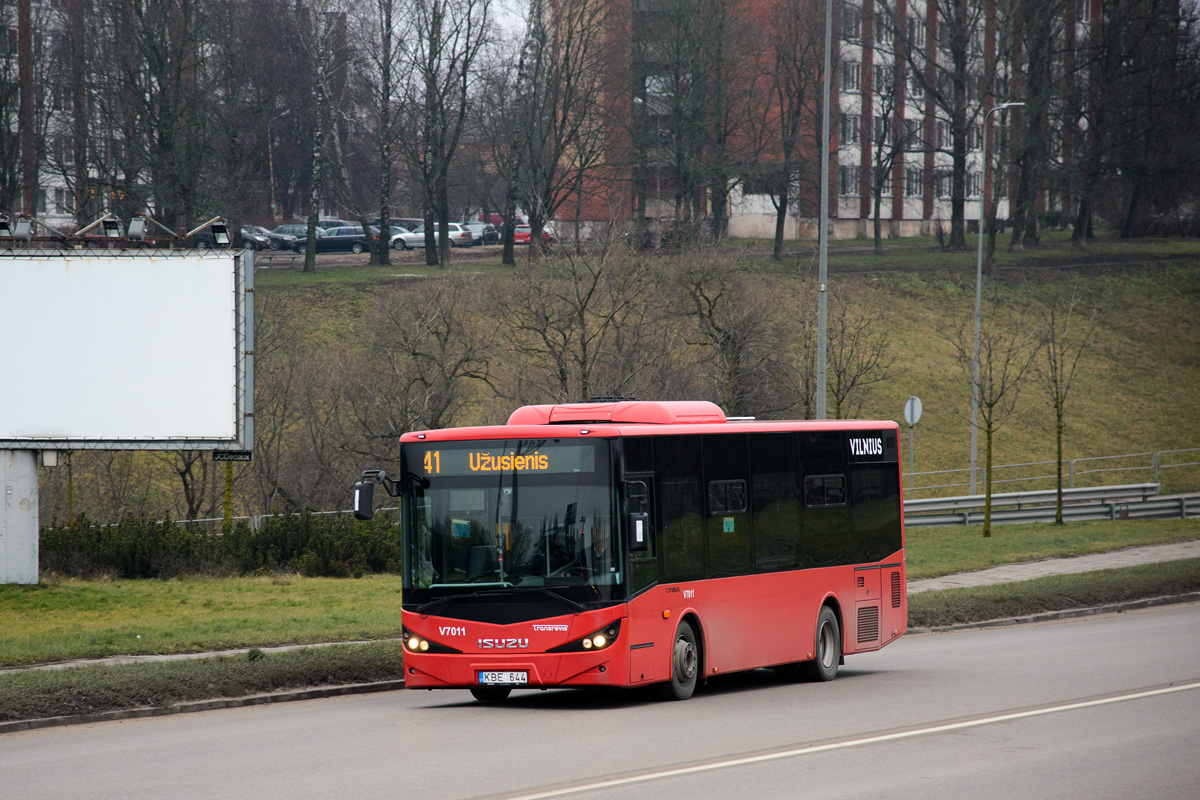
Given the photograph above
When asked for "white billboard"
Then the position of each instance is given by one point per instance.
(133, 349)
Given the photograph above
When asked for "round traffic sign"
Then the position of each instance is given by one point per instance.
(912, 410)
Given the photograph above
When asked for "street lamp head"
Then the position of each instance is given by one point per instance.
(1002, 106)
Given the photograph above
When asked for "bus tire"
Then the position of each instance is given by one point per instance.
(685, 665)
(491, 694)
(828, 648)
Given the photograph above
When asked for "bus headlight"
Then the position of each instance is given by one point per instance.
(415, 643)
(593, 641)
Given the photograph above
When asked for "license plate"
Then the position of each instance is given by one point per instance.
(504, 677)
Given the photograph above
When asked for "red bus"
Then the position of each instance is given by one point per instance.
(631, 543)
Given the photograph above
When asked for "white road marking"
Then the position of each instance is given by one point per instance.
(888, 737)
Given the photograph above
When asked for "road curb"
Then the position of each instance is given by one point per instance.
(202, 705)
(1069, 613)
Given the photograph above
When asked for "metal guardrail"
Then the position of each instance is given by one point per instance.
(1103, 494)
(1178, 507)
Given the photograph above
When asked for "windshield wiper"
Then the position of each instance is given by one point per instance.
(575, 604)
(508, 588)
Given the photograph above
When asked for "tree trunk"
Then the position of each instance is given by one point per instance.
(987, 483)
(781, 210)
(1058, 435)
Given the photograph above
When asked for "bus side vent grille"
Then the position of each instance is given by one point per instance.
(895, 590)
(868, 624)
(861, 581)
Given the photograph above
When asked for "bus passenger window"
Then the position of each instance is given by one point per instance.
(821, 491)
(726, 497)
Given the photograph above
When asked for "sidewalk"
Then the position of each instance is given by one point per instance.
(1009, 573)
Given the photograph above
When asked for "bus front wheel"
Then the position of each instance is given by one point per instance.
(490, 694)
(685, 665)
(829, 648)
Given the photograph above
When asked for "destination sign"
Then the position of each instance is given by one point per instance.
(516, 458)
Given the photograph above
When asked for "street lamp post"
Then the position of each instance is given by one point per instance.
(823, 216)
(979, 293)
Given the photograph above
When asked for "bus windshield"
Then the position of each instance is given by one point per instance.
(510, 514)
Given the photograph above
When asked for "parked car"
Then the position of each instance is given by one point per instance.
(409, 223)
(253, 240)
(296, 231)
(330, 223)
(523, 233)
(482, 232)
(348, 238)
(269, 239)
(458, 235)
(394, 241)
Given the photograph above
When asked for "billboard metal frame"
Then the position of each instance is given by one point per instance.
(242, 306)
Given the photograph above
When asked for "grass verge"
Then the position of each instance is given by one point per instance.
(37, 694)
(1054, 593)
(69, 619)
(933, 552)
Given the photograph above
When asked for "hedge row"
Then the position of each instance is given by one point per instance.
(316, 545)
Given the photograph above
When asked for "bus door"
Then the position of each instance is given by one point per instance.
(638, 504)
(639, 534)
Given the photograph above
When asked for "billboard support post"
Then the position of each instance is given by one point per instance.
(18, 516)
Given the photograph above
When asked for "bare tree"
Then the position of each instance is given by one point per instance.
(560, 104)
(424, 360)
(572, 319)
(321, 32)
(797, 41)
(951, 69)
(1065, 336)
(739, 329)
(859, 356)
(889, 140)
(1007, 348)
(448, 37)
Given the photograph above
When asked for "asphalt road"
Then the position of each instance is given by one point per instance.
(1100, 707)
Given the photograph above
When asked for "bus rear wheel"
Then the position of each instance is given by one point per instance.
(828, 649)
(491, 694)
(685, 665)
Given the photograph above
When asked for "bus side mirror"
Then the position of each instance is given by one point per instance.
(639, 531)
(364, 500)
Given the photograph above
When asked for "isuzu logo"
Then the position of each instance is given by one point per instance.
(503, 644)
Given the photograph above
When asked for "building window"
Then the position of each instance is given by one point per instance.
(60, 201)
(974, 139)
(974, 184)
(943, 138)
(851, 22)
(1083, 10)
(883, 29)
(848, 181)
(912, 134)
(942, 182)
(848, 129)
(914, 183)
(916, 32)
(883, 78)
(883, 130)
(916, 86)
(851, 76)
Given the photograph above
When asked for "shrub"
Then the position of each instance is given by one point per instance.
(317, 545)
